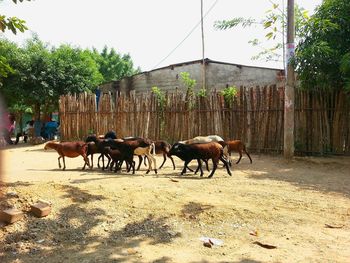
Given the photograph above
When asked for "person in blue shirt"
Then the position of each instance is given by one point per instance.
(51, 129)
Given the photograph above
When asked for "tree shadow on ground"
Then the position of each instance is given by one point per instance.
(163, 260)
(22, 145)
(16, 184)
(191, 176)
(38, 150)
(153, 229)
(245, 260)
(69, 234)
(192, 210)
(322, 175)
(7, 197)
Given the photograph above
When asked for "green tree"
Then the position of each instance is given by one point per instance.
(29, 85)
(73, 71)
(38, 74)
(112, 65)
(5, 68)
(12, 90)
(14, 24)
(42, 74)
(323, 56)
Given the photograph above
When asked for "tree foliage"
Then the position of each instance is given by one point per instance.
(40, 73)
(112, 65)
(274, 23)
(14, 24)
(323, 55)
(74, 70)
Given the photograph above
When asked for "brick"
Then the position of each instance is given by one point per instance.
(11, 215)
(40, 209)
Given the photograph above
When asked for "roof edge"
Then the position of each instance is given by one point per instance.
(207, 60)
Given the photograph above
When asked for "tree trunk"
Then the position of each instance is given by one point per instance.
(37, 107)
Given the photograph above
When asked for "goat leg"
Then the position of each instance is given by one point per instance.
(86, 162)
(189, 169)
(172, 160)
(92, 160)
(64, 163)
(240, 157)
(109, 160)
(164, 156)
(226, 165)
(140, 161)
(59, 163)
(199, 166)
(206, 164)
(248, 156)
(98, 161)
(131, 165)
(215, 165)
(155, 164)
(185, 166)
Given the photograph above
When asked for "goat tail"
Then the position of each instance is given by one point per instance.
(153, 148)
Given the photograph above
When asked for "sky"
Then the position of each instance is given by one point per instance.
(155, 33)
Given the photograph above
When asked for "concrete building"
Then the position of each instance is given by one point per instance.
(219, 75)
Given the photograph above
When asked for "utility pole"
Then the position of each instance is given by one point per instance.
(288, 148)
(203, 58)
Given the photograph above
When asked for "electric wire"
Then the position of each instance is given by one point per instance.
(192, 30)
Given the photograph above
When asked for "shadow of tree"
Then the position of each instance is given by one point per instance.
(6, 196)
(185, 176)
(192, 210)
(70, 236)
(162, 260)
(155, 230)
(246, 260)
(22, 145)
(16, 184)
(38, 150)
(80, 196)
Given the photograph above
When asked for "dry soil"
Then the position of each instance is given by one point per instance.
(102, 216)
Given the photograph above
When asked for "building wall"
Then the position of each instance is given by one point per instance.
(218, 76)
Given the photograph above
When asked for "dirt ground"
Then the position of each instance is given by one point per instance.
(106, 217)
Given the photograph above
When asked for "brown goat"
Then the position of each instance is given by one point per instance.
(68, 149)
(237, 146)
(199, 151)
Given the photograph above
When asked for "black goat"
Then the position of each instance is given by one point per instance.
(122, 152)
(199, 151)
(101, 144)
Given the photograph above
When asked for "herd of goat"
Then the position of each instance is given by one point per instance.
(117, 151)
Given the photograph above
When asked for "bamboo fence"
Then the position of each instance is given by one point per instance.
(255, 115)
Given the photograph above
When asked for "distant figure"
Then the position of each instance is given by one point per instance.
(51, 129)
(2, 143)
(7, 128)
(111, 135)
(25, 132)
